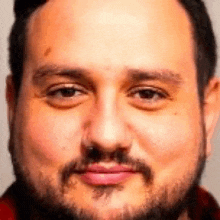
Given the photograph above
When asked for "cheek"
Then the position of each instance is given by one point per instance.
(171, 146)
(169, 139)
(51, 138)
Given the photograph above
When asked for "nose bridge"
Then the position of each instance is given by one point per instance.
(107, 128)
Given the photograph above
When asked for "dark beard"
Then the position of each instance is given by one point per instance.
(33, 206)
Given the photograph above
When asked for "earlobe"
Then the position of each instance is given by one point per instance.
(10, 98)
(211, 108)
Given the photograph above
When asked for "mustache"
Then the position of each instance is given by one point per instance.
(95, 155)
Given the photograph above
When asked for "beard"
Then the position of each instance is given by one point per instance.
(36, 205)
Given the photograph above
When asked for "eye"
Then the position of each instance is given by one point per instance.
(64, 92)
(148, 94)
(148, 97)
(66, 96)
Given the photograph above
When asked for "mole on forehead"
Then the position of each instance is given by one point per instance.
(47, 51)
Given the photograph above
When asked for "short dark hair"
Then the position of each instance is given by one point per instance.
(205, 44)
(204, 40)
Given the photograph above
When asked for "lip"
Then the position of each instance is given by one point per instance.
(99, 175)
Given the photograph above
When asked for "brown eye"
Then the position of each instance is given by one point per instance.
(64, 92)
(148, 94)
(66, 96)
(148, 98)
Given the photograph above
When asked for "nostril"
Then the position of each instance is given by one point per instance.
(120, 155)
(93, 154)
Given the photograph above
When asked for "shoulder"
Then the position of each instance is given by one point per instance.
(207, 207)
(7, 206)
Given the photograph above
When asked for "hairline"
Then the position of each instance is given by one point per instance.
(193, 38)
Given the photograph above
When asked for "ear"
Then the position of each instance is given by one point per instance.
(211, 108)
(10, 98)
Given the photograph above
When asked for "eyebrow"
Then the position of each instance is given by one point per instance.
(133, 75)
(53, 70)
(164, 75)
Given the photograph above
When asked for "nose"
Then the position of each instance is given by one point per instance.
(106, 128)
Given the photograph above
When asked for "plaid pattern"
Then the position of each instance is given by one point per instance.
(206, 206)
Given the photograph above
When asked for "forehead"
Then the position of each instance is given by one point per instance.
(112, 33)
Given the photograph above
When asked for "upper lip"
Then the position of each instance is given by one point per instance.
(114, 169)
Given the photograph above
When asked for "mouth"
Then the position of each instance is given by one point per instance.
(99, 175)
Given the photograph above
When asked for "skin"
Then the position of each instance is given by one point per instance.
(109, 41)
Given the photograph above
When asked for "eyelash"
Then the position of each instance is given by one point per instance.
(67, 92)
(65, 96)
(148, 98)
(148, 92)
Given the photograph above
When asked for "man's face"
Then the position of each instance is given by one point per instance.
(108, 119)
